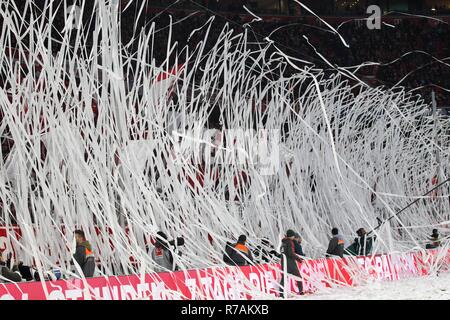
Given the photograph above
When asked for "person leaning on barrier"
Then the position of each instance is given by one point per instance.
(162, 254)
(336, 245)
(364, 243)
(227, 253)
(28, 273)
(241, 254)
(84, 256)
(434, 238)
(265, 252)
(11, 275)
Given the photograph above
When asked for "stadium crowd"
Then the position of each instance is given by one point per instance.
(410, 51)
(413, 54)
(323, 7)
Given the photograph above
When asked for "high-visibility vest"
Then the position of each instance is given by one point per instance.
(242, 248)
(89, 253)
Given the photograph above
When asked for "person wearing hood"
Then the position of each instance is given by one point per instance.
(84, 256)
(289, 260)
(336, 245)
(162, 254)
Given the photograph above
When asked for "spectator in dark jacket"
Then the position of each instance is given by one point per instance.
(227, 253)
(363, 243)
(289, 260)
(298, 245)
(27, 272)
(434, 238)
(241, 254)
(265, 252)
(84, 256)
(9, 275)
(336, 245)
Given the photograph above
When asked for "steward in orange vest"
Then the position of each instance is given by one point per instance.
(84, 255)
(241, 254)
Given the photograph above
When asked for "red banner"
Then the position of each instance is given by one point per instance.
(232, 283)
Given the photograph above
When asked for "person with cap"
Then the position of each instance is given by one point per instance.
(289, 260)
(84, 255)
(336, 244)
(162, 254)
(434, 238)
(241, 254)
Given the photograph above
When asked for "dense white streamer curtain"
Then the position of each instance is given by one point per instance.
(106, 137)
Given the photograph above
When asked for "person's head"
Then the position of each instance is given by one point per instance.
(435, 235)
(242, 239)
(79, 236)
(161, 235)
(298, 238)
(161, 239)
(290, 234)
(360, 232)
(334, 231)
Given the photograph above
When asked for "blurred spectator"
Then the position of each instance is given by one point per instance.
(265, 252)
(298, 245)
(336, 245)
(84, 256)
(162, 254)
(7, 273)
(241, 254)
(434, 238)
(289, 261)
